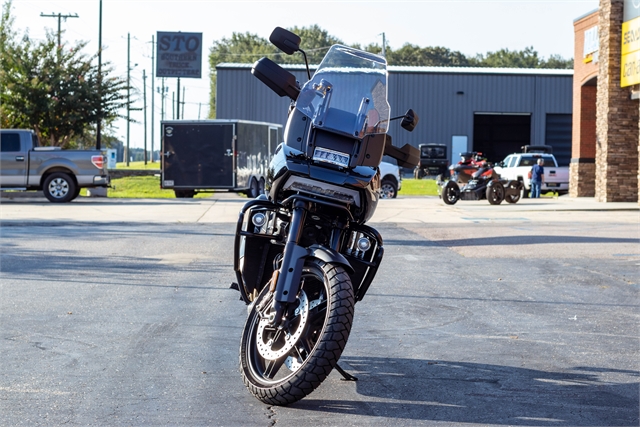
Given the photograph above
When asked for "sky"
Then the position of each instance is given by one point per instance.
(468, 26)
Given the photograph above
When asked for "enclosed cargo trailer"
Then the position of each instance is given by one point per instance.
(205, 155)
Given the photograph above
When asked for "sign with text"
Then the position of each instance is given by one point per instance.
(630, 61)
(179, 55)
(630, 69)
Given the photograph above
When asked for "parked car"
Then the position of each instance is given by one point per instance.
(390, 180)
(60, 174)
(433, 160)
(517, 166)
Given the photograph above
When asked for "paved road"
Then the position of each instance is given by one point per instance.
(118, 312)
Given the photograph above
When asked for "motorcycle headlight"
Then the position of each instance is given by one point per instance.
(259, 219)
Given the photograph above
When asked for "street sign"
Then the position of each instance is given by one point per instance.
(179, 55)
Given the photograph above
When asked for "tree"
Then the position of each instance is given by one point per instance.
(437, 56)
(557, 62)
(315, 43)
(52, 89)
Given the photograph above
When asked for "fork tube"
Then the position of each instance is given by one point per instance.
(288, 283)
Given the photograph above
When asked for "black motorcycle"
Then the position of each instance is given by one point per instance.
(303, 255)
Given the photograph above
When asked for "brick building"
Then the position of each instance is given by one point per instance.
(606, 140)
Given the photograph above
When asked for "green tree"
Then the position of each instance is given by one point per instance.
(315, 43)
(505, 58)
(557, 62)
(437, 56)
(53, 89)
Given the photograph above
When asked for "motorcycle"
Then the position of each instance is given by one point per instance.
(303, 255)
(473, 178)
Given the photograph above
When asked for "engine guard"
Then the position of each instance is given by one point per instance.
(259, 250)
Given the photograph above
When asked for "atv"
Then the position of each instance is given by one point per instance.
(473, 178)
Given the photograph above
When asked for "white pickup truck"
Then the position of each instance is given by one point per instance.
(517, 166)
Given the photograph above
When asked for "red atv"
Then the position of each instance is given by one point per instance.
(473, 178)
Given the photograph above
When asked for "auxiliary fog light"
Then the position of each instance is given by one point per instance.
(364, 244)
(259, 219)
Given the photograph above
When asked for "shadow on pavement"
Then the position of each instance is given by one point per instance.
(511, 241)
(462, 392)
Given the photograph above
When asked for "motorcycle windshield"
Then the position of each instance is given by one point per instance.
(348, 93)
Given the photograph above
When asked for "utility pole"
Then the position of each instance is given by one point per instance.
(163, 93)
(184, 90)
(59, 16)
(144, 106)
(153, 92)
(178, 100)
(128, 92)
(99, 124)
(384, 45)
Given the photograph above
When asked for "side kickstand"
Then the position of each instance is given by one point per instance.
(345, 375)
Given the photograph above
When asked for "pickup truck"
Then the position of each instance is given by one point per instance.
(390, 180)
(517, 166)
(60, 174)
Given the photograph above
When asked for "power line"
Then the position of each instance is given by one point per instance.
(59, 16)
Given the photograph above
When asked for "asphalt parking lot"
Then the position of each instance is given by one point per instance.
(118, 312)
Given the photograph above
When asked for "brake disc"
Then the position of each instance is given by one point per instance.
(270, 349)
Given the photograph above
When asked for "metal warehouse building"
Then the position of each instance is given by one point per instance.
(494, 111)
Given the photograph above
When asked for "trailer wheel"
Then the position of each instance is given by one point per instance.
(254, 189)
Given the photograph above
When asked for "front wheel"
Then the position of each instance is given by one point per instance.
(450, 193)
(281, 366)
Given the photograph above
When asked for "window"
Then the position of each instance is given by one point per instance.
(527, 161)
(9, 142)
(513, 161)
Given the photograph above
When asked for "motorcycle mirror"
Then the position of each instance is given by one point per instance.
(285, 40)
(407, 157)
(410, 120)
(277, 78)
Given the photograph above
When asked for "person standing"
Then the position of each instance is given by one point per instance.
(537, 178)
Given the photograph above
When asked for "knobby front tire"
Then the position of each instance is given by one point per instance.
(282, 367)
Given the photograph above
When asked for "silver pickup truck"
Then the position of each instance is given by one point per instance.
(60, 174)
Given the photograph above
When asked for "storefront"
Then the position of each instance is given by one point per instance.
(605, 141)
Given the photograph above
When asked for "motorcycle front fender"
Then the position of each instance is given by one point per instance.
(330, 256)
(291, 271)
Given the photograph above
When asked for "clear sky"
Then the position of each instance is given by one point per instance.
(468, 26)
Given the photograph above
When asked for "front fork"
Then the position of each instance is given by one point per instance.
(288, 279)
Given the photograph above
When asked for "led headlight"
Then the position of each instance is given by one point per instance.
(259, 219)
(364, 244)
